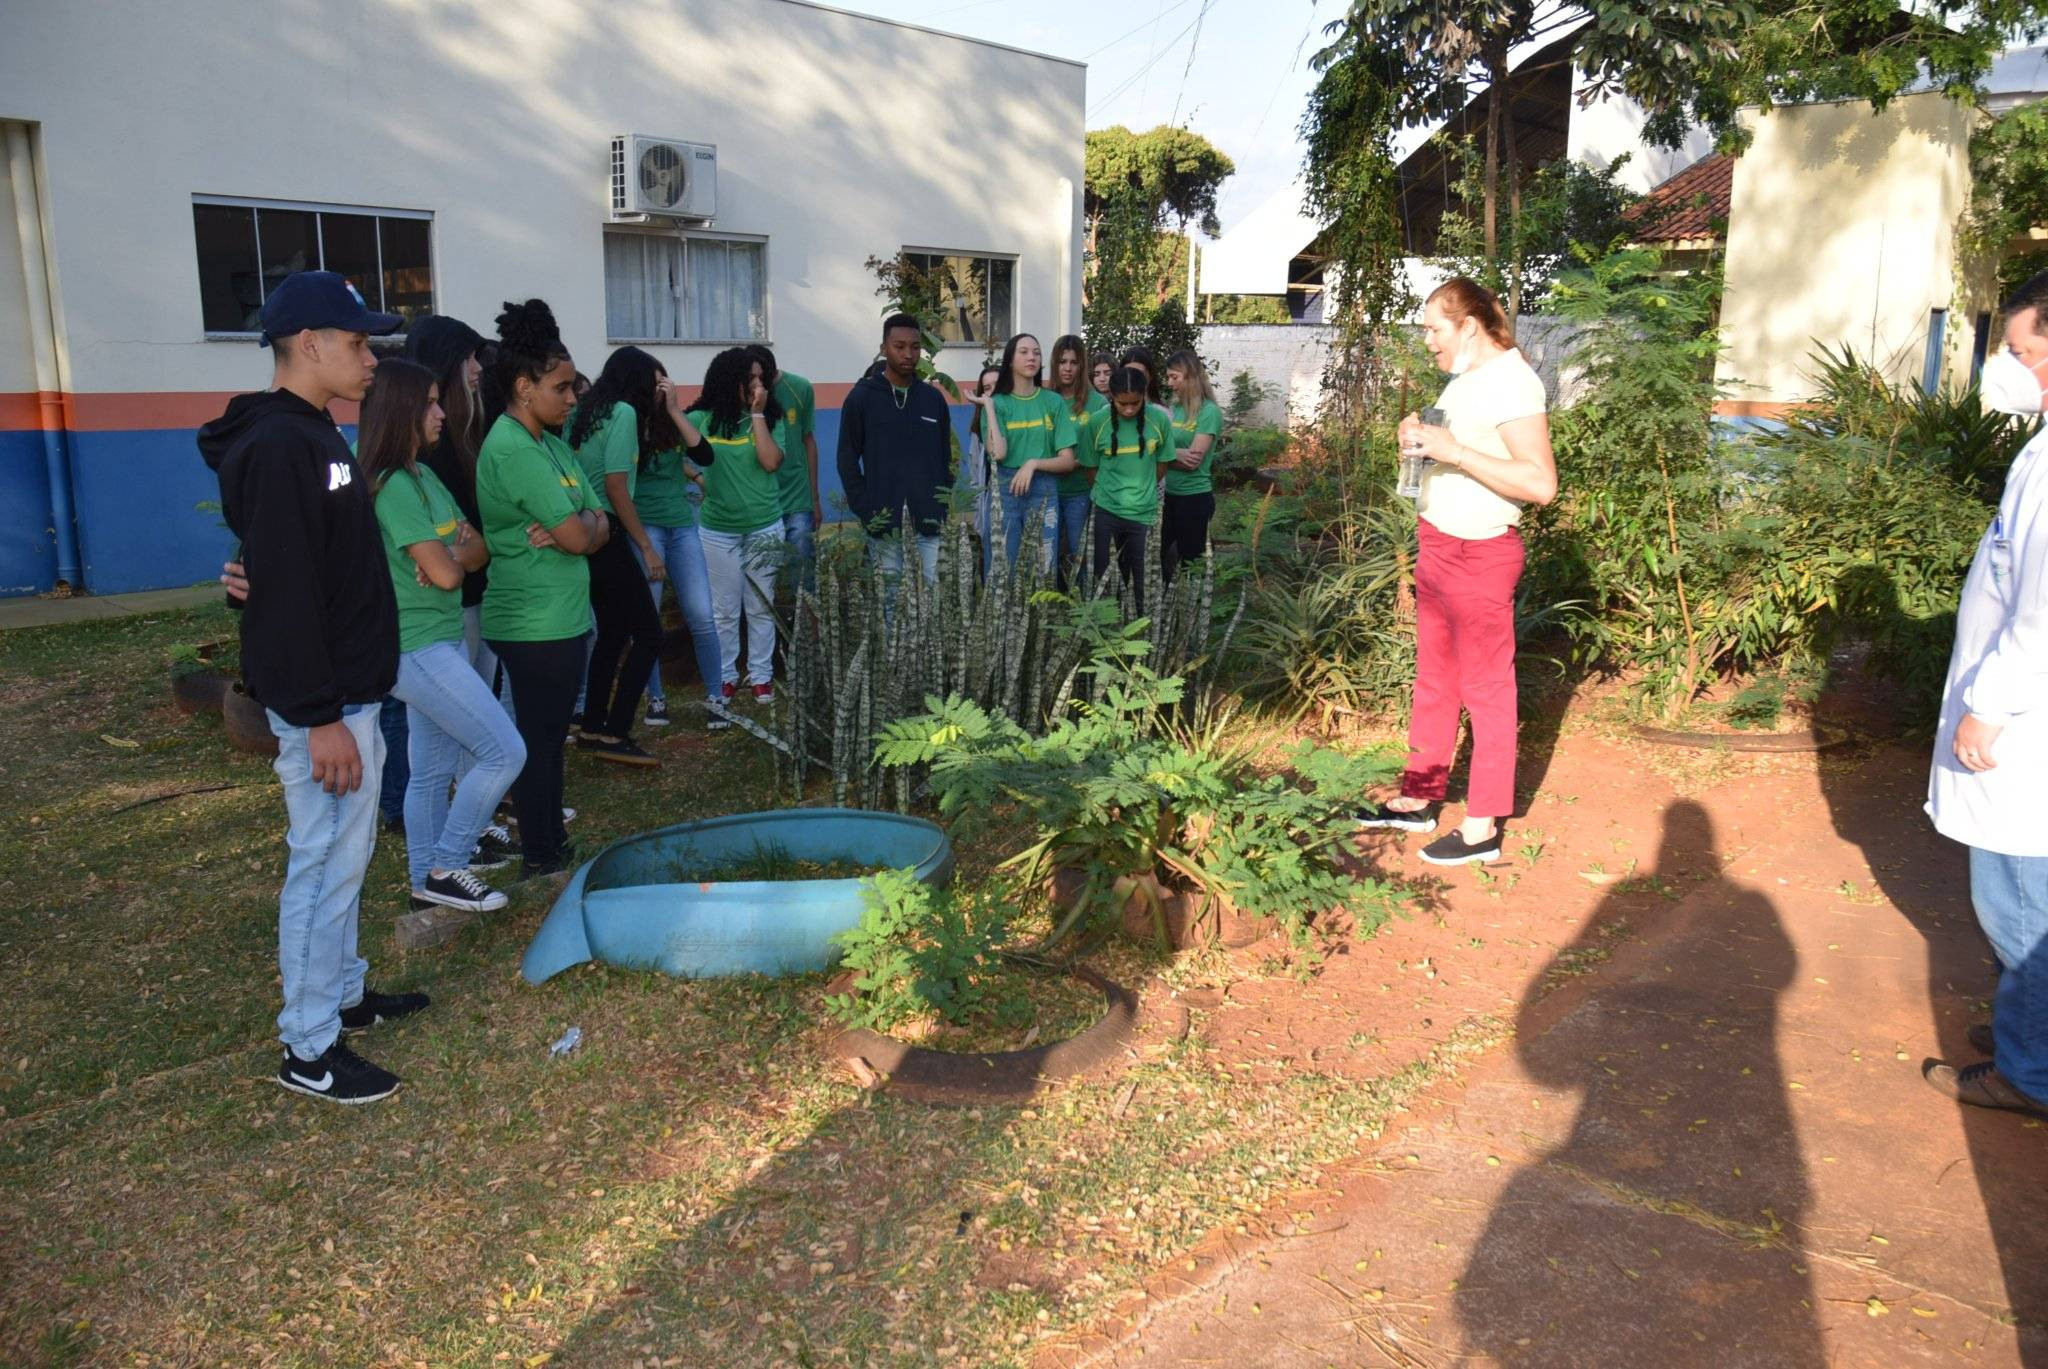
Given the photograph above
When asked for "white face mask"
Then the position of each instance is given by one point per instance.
(1461, 360)
(2010, 386)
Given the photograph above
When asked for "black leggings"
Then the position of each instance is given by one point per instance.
(628, 625)
(1127, 540)
(544, 677)
(1184, 530)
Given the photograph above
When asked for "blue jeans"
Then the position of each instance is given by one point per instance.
(2011, 897)
(887, 555)
(1073, 523)
(684, 553)
(330, 838)
(1041, 503)
(800, 531)
(451, 713)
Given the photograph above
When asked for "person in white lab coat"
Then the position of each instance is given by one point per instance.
(1989, 786)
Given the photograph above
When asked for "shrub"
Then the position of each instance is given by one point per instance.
(923, 952)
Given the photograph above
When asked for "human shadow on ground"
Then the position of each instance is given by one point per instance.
(1875, 798)
(1659, 1228)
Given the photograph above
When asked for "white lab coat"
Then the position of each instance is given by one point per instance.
(1998, 671)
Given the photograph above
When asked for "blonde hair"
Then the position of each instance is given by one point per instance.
(1189, 364)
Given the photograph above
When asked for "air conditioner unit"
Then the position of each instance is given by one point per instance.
(663, 178)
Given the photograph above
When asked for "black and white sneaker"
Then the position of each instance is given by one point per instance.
(459, 889)
(718, 719)
(657, 713)
(494, 849)
(1422, 819)
(1455, 850)
(339, 1075)
(381, 1007)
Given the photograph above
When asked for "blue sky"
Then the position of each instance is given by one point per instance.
(1241, 82)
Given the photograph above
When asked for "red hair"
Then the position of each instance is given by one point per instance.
(1463, 298)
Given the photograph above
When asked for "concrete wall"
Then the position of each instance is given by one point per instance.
(1290, 359)
(496, 117)
(28, 556)
(1842, 233)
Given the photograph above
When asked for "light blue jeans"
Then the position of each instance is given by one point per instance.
(330, 838)
(1073, 523)
(800, 531)
(1041, 502)
(683, 552)
(2011, 897)
(887, 555)
(451, 714)
(742, 567)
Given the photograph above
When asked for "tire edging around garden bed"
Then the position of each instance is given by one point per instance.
(1778, 743)
(968, 1078)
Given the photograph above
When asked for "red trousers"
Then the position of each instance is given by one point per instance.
(1464, 659)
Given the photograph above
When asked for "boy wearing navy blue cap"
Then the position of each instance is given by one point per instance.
(319, 649)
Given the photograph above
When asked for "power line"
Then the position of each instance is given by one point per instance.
(1183, 4)
(1134, 77)
(1200, 15)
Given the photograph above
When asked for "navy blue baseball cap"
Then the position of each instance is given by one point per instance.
(321, 299)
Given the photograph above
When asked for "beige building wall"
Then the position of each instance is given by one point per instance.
(1842, 233)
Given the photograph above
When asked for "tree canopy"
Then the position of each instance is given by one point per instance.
(1173, 171)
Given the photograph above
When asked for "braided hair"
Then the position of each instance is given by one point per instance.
(1130, 380)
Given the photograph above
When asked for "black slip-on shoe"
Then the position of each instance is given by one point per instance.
(618, 750)
(382, 1007)
(1423, 819)
(1453, 849)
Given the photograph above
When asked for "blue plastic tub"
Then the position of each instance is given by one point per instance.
(624, 906)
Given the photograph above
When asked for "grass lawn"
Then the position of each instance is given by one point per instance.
(697, 1185)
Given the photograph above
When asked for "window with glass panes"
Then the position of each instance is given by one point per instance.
(976, 292)
(684, 287)
(247, 246)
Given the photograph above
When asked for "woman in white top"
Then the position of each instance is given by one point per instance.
(1490, 459)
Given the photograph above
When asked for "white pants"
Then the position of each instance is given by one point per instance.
(742, 567)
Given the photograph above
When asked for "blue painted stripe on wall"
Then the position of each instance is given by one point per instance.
(139, 524)
(28, 545)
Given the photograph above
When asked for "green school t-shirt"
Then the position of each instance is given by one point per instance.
(1208, 419)
(1126, 457)
(1076, 480)
(796, 403)
(536, 594)
(613, 448)
(1037, 428)
(739, 496)
(413, 506)
(663, 494)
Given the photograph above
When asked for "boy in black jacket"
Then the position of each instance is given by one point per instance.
(319, 649)
(896, 451)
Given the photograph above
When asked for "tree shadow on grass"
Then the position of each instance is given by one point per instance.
(1657, 1227)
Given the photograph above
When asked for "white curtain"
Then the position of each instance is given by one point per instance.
(726, 290)
(643, 286)
(705, 289)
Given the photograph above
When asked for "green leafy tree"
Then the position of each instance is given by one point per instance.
(1245, 309)
(1142, 193)
(1563, 204)
(2009, 191)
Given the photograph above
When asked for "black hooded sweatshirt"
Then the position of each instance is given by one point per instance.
(437, 342)
(891, 458)
(320, 629)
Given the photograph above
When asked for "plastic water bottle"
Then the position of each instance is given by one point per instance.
(571, 1039)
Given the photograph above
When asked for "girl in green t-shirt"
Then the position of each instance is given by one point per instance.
(1031, 437)
(730, 434)
(1130, 444)
(621, 417)
(450, 710)
(1190, 493)
(541, 522)
(1071, 382)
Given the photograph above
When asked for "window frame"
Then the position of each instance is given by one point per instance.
(316, 208)
(686, 236)
(1016, 276)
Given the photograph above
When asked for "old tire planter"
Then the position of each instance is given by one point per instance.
(200, 691)
(1764, 743)
(247, 725)
(625, 907)
(1231, 928)
(968, 1078)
